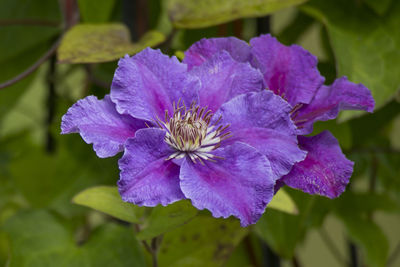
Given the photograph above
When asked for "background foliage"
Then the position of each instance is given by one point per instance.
(59, 205)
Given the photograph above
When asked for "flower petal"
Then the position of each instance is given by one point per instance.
(147, 84)
(204, 49)
(100, 124)
(223, 78)
(146, 178)
(281, 149)
(325, 171)
(241, 184)
(262, 120)
(329, 100)
(257, 109)
(289, 71)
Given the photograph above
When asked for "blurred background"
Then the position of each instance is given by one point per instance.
(56, 52)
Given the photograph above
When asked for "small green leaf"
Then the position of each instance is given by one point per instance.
(283, 202)
(92, 43)
(163, 219)
(107, 199)
(204, 241)
(204, 13)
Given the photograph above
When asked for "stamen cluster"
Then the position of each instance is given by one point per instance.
(190, 132)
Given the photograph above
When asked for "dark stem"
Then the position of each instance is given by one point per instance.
(353, 254)
(263, 25)
(331, 246)
(270, 257)
(70, 12)
(153, 248)
(32, 68)
(250, 251)
(295, 262)
(51, 104)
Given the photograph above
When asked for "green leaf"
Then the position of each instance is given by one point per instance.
(93, 11)
(92, 43)
(40, 239)
(204, 13)
(365, 45)
(204, 241)
(283, 202)
(369, 237)
(163, 219)
(108, 200)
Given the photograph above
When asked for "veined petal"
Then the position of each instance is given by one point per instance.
(329, 100)
(325, 171)
(240, 184)
(289, 71)
(204, 49)
(147, 84)
(257, 109)
(100, 124)
(262, 120)
(223, 78)
(281, 149)
(147, 178)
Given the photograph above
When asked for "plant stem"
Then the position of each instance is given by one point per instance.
(32, 68)
(51, 104)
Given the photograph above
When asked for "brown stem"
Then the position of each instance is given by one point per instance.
(250, 251)
(32, 68)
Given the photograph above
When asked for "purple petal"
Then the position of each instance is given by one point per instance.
(289, 71)
(329, 100)
(223, 78)
(262, 120)
(325, 171)
(147, 84)
(241, 184)
(100, 124)
(204, 49)
(262, 109)
(281, 149)
(146, 177)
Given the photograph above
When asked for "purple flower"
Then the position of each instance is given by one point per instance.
(207, 132)
(291, 72)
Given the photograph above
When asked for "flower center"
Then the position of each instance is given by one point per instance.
(189, 132)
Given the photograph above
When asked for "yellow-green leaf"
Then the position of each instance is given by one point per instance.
(283, 202)
(204, 13)
(93, 43)
(107, 199)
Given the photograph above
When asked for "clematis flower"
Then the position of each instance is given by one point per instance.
(291, 72)
(209, 133)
